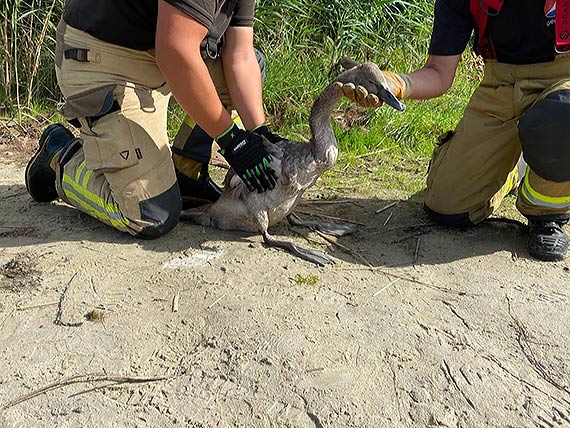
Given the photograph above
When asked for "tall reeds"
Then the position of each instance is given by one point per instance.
(27, 31)
(325, 29)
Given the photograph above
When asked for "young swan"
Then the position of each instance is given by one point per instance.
(298, 166)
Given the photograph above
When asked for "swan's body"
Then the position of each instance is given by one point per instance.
(298, 166)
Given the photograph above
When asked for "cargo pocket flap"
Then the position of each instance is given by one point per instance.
(93, 103)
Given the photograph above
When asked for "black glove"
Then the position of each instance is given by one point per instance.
(245, 153)
(264, 131)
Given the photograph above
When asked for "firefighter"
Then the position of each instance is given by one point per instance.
(521, 105)
(117, 63)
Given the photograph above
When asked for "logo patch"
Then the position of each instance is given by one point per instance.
(550, 8)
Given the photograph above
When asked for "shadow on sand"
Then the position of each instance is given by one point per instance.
(391, 232)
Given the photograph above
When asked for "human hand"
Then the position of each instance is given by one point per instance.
(264, 131)
(245, 153)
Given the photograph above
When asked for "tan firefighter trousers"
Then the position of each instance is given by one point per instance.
(473, 168)
(120, 171)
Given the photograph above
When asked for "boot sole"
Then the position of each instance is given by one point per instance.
(36, 194)
(547, 257)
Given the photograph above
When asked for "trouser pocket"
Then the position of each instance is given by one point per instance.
(109, 137)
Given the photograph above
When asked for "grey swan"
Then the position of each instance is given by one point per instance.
(298, 166)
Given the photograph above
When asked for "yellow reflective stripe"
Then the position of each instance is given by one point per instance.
(86, 178)
(86, 207)
(79, 171)
(189, 121)
(543, 200)
(82, 175)
(238, 122)
(93, 204)
(512, 181)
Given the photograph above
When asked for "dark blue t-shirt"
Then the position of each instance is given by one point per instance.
(521, 33)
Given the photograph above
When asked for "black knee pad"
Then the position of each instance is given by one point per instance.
(545, 140)
(162, 211)
(459, 220)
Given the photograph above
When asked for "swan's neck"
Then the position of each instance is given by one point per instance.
(324, 141)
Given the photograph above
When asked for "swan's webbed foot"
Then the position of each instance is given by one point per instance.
(313, 256)
(328, 228)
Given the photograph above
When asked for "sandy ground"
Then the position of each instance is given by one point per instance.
(447, 328)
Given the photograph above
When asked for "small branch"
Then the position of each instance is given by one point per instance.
(405, 278)
(41, 305)
(351, 251)
(393, 204)
(454, 312)
(328, 217)
(375, 152)
(175, 301)
(93, 289)
(388, 218)
(58, 320)
(7, 318)
(385, 287)
(216, 301)
(417, 250)
(325, 202)
(82, 378)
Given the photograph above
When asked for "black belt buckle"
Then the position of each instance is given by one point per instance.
(78, 54)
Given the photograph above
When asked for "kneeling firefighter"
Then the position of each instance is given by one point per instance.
(118, 62)
(521, 105)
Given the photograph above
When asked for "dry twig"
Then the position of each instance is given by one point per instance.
(41, 305)
(393, 204)
(349, 250)
(387, 219)
(175, 301)
(329, 217)
(96, 377)
(58, 320)
(385, 287)
(216, 301)
(417, 251)
(381, 269)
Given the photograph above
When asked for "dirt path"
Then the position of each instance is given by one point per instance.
(447, 328)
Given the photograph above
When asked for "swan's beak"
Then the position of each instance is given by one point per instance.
(388, 97)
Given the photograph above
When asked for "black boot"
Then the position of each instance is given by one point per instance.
(196, 192)
(40, 173)
(547, 241)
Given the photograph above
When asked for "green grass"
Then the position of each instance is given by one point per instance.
(27, 33)
(377, 146)
(303, 41)
(311, 280)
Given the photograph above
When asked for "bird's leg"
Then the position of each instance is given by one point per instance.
(328, 228)
(314, 256)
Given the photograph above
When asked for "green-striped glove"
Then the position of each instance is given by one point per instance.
(245, 153)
